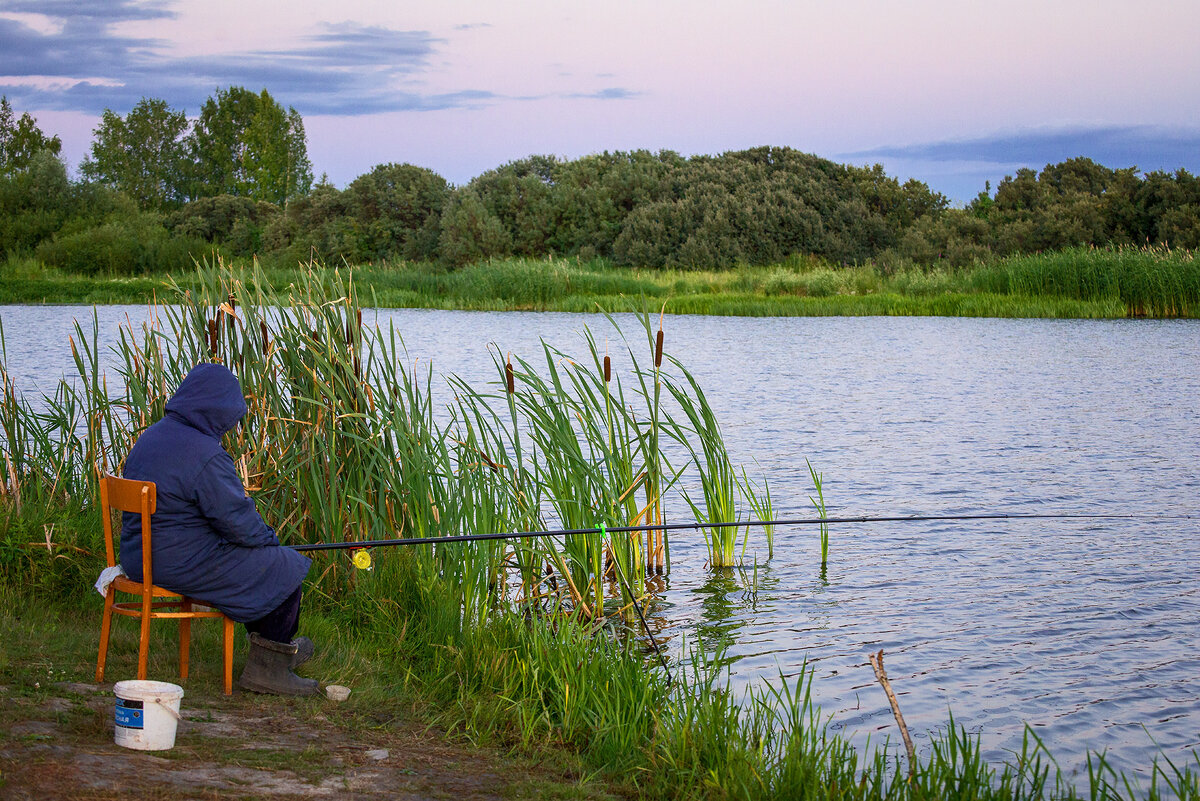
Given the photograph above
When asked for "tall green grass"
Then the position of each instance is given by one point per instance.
(1073, 283)
(1148, 282)
(343, 441)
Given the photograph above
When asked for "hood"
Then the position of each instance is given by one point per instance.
(209, 399)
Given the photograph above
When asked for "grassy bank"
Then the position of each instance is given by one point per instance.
(56, 724)
(575, 700)
(1077, 283)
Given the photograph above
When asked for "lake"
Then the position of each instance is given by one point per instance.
(1085, 629)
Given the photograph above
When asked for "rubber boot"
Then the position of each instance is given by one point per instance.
(268, 669)
(304, 651)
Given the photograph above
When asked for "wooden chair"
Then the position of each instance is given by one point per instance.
(126, 495)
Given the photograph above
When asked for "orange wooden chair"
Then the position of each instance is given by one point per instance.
(126, 495)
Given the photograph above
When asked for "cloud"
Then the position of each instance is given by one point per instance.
(470, 26)
(961, 168)
(108, 11)
(343, 69)
(611, 93)
(78, 45)
(1144, 146)
(78, 62)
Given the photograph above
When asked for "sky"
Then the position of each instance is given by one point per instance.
(951, 92)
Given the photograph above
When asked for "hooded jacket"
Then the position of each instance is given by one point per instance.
(207, 539)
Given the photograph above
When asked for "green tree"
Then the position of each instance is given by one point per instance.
(245, 144)
(398, 211)
(470, 232)
(142, 154)
(235, 222)
(35, 202)
(21, 139)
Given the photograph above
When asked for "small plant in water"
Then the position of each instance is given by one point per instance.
(819, 503)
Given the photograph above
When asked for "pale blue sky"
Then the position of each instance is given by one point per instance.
(952, 93)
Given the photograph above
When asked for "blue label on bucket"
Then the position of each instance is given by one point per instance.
(129, 714)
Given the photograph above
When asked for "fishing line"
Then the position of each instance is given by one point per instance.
(621, 575)
(799, 521)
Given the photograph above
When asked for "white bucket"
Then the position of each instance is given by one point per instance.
(146, 714)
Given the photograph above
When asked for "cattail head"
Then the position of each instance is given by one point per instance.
(509, 379)
(212, 337)
(266, 339)
(658, 343)
(607, 369)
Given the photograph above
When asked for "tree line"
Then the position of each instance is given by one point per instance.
(157, 190)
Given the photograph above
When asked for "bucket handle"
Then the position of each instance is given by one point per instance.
(168, 709)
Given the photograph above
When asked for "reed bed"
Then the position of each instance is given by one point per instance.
(343, 442)
(1148, 282)
(1087, 283)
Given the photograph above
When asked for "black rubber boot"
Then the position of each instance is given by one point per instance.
(268, 669)
(304, 651)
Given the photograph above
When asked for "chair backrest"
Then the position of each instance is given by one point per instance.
(127, 495)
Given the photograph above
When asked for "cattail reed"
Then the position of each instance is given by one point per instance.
(576, 445)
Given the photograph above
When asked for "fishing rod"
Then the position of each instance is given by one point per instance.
(799, 521)
(604, 531)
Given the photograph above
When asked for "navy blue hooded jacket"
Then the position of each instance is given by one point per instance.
(208, 540)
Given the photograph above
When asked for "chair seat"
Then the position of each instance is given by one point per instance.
(125, 584)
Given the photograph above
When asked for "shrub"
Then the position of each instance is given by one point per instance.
(133, 246)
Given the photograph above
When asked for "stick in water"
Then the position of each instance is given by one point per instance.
(881, 675)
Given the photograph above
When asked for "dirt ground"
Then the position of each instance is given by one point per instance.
(58, 745)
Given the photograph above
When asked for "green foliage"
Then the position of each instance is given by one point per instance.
(35, 202)
(142, 154)
(470, 232)
(763, 205)
(238, 223)
(133, 245)
(397, 212)
(21, 140)
(247, 172)
(315, 226)
(245, 144)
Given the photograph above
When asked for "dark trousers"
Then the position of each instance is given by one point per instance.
(281, 623)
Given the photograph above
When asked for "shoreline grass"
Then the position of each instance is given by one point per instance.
(564, 692)
(1081, 283)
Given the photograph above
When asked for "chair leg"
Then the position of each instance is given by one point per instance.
(105, 627)
(228, 655)
(144, 643)
(185, 637)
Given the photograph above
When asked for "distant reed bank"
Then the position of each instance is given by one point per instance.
(1072, 283)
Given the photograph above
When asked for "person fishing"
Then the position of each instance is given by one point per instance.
(210, 543)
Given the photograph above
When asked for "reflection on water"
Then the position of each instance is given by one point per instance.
(1084, 629)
